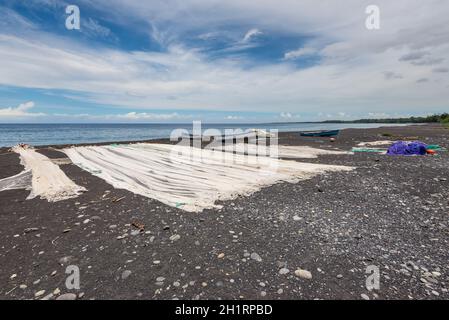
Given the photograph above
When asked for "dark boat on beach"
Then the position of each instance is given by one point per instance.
(325, 133)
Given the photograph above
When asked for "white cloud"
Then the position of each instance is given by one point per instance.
(251, 34)
(351, 76)
(22, 110)
(302, 52)
(151, 116)
(288, 115)
(231, 117)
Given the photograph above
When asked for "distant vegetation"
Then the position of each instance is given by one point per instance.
(436, 118)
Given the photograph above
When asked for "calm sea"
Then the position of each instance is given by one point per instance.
(45, 134)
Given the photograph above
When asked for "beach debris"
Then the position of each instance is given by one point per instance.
(197, 178)
(118, 199)
(44, 178)
(28, 230)
(137, 225)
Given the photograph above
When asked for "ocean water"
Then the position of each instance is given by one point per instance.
(54, 134)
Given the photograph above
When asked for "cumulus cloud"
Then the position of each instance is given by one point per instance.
(289, 115)
(151, 116)
(349, 75)
(22, 110)
(232, 117)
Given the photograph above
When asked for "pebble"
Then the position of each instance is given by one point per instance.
(67, 296)
(263, 293)
(176, 284)
(339, 276)
(23, 286)
(39, 293)
(221, 255)
(364, 296)
(48, 296)
(65, 260)
(256, 257)
(160, 279)
(56, 291)
(304, 274)
(175, 237)
(280, 291)
(13, 276)
(284, 271)
(28, 230)
(126, 274)
(156, 262)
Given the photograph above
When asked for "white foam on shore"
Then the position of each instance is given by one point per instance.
(48, 181)
(286, 152)
(189, 178)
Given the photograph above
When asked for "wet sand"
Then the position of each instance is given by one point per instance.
(391, 212)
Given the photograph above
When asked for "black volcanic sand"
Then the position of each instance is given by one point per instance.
(392, 212)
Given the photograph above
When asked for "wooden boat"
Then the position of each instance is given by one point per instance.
(324, 133)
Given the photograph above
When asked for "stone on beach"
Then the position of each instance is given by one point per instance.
(304, 274)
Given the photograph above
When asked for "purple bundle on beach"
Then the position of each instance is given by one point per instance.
(407, 148)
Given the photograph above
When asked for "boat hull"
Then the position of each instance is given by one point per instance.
(327, 133)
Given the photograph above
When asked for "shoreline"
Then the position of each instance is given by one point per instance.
(167, 140)
(390, 212)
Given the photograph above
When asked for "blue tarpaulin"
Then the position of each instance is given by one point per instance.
(407, 148)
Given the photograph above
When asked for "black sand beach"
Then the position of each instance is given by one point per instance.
(391, 212)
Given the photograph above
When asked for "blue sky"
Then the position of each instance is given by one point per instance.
(221, 61)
